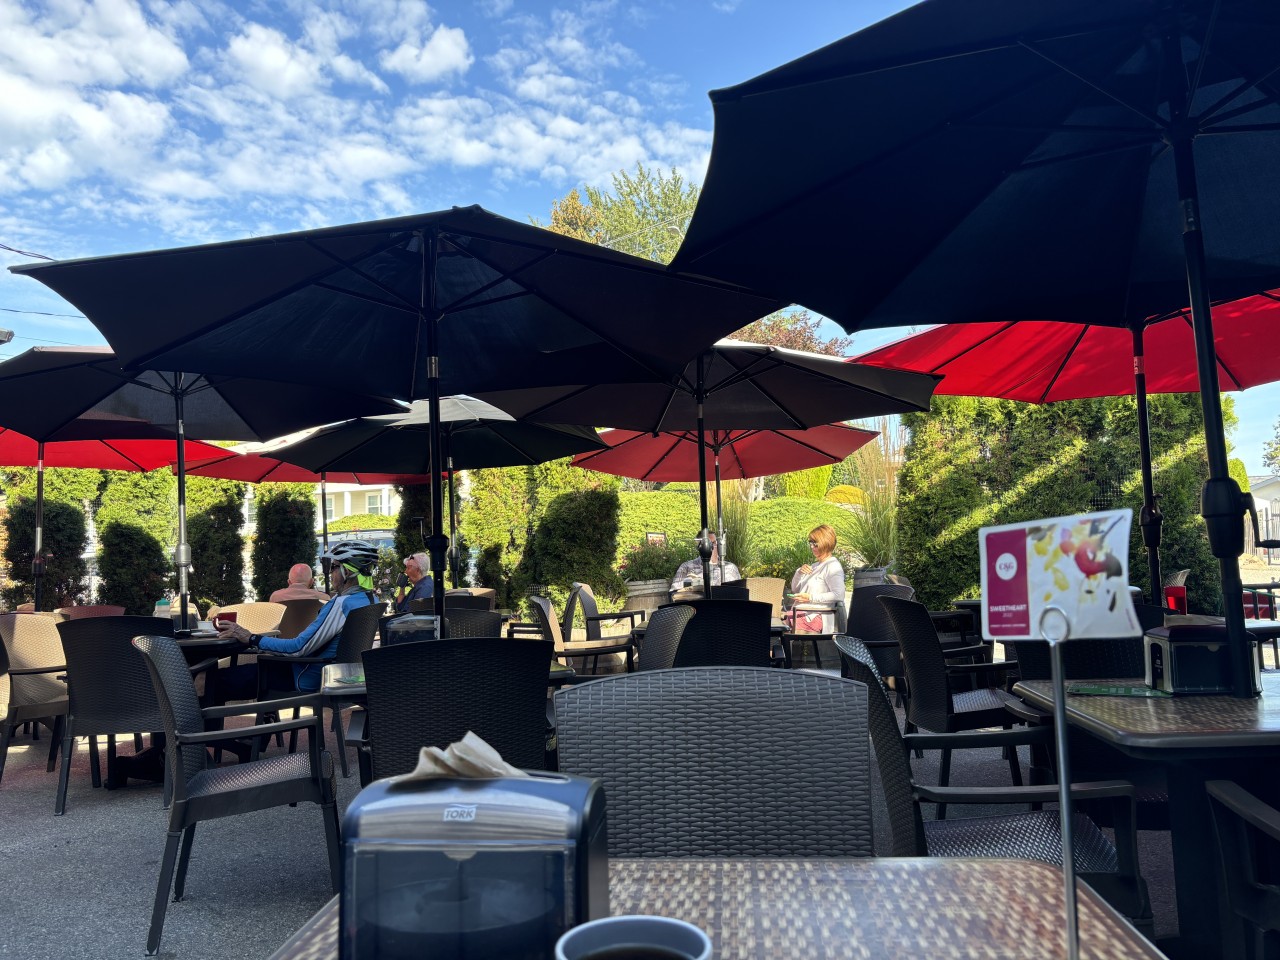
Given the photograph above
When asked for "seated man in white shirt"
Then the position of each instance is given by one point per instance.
(687, 583)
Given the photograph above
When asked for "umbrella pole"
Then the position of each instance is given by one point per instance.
(704, 540)
(182, 553)
(453, 530)
(429, 317)
(719, 514)
(1221, 502)
(324, 522)
(37, 558)
(1150, 519)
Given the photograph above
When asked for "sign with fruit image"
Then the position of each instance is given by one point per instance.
(1072, 572)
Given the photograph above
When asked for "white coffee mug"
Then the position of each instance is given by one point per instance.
(663, 938)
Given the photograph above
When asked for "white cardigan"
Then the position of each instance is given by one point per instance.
(825, 585)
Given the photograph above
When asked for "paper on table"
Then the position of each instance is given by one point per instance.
(470, 758)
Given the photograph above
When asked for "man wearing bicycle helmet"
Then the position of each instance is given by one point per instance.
(350, 565)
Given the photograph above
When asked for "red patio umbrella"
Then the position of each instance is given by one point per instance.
(137, 454)
(673, 455)
(1042, 361)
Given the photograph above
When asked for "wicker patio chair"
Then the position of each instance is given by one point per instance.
(931, 703)
(90, 610)
(1110, 868)
(109, 690)
(581, 595)
(726, 633)
(692, 765)
(256, 617)
(297, 616)
(768, 590)
(548, 628)
(465, 622)
(29, 688)
(204, 793)
(869, 622)
(1248, 832)
(468, 601)
(662, 636)
(431, 693)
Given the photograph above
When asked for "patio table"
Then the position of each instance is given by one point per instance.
(1195, 738)
(830, 909)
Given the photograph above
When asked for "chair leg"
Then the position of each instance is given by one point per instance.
(137, 743)
(333, 841)
(944, 776)
(6, 731)
(64, 774)
(55, 742)
(1015, 769)
(94, 772)
(340, 741)
(184, 859)
(293, 734)
(163, 883)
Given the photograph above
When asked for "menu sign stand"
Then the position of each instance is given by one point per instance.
(1059, 579)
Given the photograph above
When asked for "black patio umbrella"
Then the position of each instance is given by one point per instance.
(732, 386)
(1091, 161)
(475, 435)
(416, 307)
(50, 392)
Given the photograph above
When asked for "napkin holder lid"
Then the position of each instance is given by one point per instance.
(477, 867)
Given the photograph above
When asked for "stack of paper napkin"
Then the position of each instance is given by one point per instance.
(469, 757)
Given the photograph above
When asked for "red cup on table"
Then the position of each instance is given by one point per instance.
(224, 620)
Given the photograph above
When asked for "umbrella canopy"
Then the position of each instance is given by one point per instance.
(474, 435)
(45, 391)
(415, 307)
(258, 467)
(729, 454)
(79, 450)
(1091, 161)
(734, 454)
(732, 386)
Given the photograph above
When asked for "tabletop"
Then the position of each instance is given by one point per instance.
(1215, 723)
(872, 909)
(347, 679)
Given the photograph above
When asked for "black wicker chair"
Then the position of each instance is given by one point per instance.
(726, 633)
(931, 703)
(465, 622)
(432, 693)
(693, 767)
(204, 793)
(109, 690)
(581, 595)
(29, 688)
(870, 624)
(662, 636)
(1110, 868)
(1248, 833)
(466, 601)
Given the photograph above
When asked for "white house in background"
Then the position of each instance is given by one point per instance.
(1266, 497)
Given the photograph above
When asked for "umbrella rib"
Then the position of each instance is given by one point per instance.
(503, 276)
(1205, 43)
(675, 443)
(1186, 318)
(1066, 357)
(367, 298)
(110, 445)
(1001, 328)
(1093, 85)
(314, 278)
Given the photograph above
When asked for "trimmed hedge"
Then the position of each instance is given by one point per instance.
(285, 535)
(661, 511)
(134, 569)
(65, 537)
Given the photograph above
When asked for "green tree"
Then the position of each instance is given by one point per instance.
(1271, 451)
(64, 484)
(285, 535)
(65, 538)
(215, 519)
(974, 462)
(794, 329)
(147, 500)
(414, 519)
(807, 484)
(133, 567)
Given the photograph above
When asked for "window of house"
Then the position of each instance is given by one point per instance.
(373, 503)
(328, 506)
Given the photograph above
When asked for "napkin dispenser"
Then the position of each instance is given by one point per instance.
(1192, 658)
(411, 628)
(478, 868)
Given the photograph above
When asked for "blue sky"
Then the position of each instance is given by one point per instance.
(130, 125)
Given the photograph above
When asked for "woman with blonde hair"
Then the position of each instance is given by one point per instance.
(817, 587)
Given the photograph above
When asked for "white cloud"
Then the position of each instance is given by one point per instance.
(446, 51)
(266, 60)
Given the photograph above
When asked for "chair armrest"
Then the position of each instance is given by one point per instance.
(973, 650)
(261, 729)
(314, 700)
(1000, 666)
(1042, 794)
(970, 739)
(1029, 713)
(524, 629)
(1245, 805)
(203, 665)
(617, 615)
(274, 657)
(30, 671)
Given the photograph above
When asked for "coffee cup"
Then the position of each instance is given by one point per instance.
(224, 620)
(634, 938)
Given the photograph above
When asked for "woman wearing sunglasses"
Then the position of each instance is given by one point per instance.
(817, 587)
